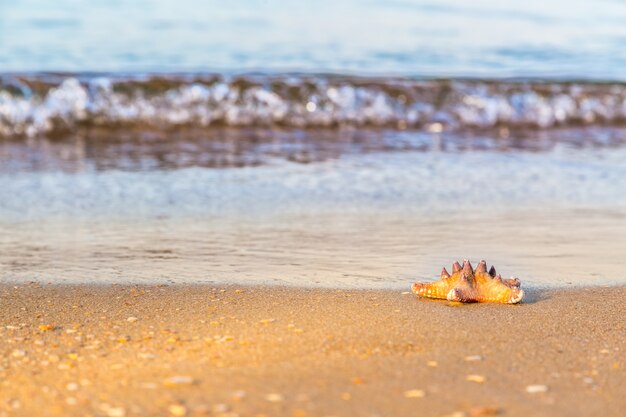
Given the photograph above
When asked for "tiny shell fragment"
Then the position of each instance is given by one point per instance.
(176, 381)
(414, 393)
(274, 398)
(177, 410)
(475, 378)
(534, 389)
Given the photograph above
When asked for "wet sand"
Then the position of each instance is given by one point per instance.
(363, 247)
(272, 351)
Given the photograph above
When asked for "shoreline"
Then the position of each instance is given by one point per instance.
(532, 290)
(314, 239)
(192, 350)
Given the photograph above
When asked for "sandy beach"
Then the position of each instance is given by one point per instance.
(273, 351)
(217, 209)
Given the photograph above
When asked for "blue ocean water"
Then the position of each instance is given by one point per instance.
(451, 38)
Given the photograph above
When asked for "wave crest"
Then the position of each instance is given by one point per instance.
(40, 105)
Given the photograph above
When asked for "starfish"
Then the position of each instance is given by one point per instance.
(467, 285)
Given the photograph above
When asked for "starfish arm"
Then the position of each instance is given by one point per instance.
(501, 293)
(438, 289)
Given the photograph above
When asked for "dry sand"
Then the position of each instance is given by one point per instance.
(120, 351)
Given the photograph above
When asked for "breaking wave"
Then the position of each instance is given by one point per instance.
(39, 105)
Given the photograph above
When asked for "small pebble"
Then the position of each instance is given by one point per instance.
(177, 381)
(473, 358)
(226, 338)
(274, 398)
(72, 386)
(144, 355)
(432, 364)
(534, 389)
(414, 393)
(177, 410)
(113, 411)
(475, 378)
(132, 319)
(18, 353)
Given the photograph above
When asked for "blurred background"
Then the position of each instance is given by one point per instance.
(328, 143)
(484, 38)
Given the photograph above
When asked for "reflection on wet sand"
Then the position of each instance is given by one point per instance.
(129, 150)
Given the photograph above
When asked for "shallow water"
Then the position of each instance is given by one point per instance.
(554, 216)
(371, 249)
(349, 143)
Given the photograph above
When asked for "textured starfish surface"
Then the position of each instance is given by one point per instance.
(467, 285)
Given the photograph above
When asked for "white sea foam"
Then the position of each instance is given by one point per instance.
(303, 102)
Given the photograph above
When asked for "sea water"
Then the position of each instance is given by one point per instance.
(449, 38)
(351, 144)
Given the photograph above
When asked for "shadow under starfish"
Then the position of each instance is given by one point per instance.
(467, 285)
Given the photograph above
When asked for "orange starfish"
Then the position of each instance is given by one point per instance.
(468, 286)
